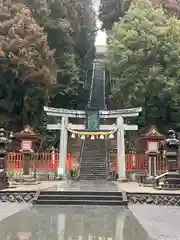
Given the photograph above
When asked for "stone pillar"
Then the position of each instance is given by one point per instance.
(26, 163)
(121, 149)
(3, 159)
(63, 146)
(65, 142)
(155, 165)
(152, 161)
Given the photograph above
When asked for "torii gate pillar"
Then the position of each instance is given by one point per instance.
(63, 146)
(121, 149)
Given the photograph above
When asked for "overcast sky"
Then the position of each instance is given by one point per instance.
(101, 35)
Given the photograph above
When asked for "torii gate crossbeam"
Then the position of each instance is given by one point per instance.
(64, 114)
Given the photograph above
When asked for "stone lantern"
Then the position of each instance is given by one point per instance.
(4, 141)
(171, 178)
(27, 137)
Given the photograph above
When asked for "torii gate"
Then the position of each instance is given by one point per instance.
(119, 115)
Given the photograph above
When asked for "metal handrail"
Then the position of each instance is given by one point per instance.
(104, 86)
(81, 155)
(92, 83)
(107, 159)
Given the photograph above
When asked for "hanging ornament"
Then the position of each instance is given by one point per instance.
(101, 137)
(92, 137)
(73, 135)
(83, 137)
(111, 136)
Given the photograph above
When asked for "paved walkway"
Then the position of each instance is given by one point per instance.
(161, 222)
(133, 187)
(8, 209)
(99, 186)
(72, 222)
(33, 187)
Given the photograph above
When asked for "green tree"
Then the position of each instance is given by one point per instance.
(112, 11)
(26, 63)
(70, 27)
(144, 61)
(46, 47)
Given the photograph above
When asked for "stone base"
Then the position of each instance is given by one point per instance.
(169, 180)
(26, 179)
(4, 185)
(122, 180)
(149, 182)
(3, 180)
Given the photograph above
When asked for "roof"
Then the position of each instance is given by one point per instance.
(27, 132)
(153, 133)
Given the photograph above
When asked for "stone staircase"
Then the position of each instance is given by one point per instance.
(94, 164)
(80, 198)
(94, 156)
(97, 96)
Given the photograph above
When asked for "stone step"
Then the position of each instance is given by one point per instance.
(87, 173)
(97, 169)
(93, 160)
(80, 198)
(81, 202)
(90, 165)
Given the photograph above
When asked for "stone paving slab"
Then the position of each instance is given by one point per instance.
(7, 209)
(130, 187)
(33, 187)
(73, 222)
(98, 186)
(133, 187)
(161, 222)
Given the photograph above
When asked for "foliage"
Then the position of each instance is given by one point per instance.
(144, 60)
(26, 62)
(112, 11)
(70, 27)
(46, 47)
(24, 45)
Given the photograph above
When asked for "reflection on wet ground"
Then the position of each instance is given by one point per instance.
(161, 222)
(66, 223)
(84, 186)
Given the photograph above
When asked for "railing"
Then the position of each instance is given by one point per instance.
(134, 162)
(39, 162)
(139, 163)
(91, 88)
(49, 162)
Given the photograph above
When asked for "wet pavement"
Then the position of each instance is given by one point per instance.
(161, 222)
(84, 186)
(66, 223)
(7, 209)
(139, 222)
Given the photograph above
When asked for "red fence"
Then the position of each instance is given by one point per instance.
(39, 162)
(135, 162)
(49, 162)
(139, 162)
